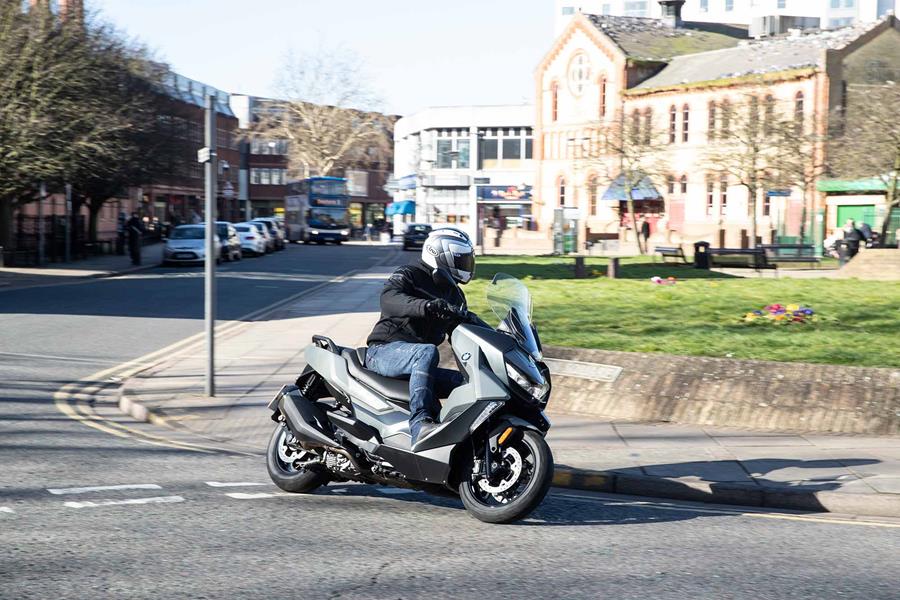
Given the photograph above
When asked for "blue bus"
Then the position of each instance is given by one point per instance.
(317, 210)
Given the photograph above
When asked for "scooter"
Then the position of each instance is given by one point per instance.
(342, 422)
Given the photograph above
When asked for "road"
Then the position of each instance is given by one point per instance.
(85, 514)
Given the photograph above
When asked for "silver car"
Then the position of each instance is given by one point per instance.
(187, 244)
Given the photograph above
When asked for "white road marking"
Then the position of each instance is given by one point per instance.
(98, 503)
(255, 496)
(6, 509)
(104, 488)
(220, 484)
(390, 490)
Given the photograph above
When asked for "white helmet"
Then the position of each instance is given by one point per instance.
(451, 249)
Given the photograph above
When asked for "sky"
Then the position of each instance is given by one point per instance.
(417, 54)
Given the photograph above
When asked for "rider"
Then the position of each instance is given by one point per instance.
(416, 316)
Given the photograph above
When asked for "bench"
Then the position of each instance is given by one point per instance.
(676, 252)
(790, 253)
(751, 258)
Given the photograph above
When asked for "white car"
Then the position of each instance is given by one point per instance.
(252, 240)
(263, 230)
(187, 244)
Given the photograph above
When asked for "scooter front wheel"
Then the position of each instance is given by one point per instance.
(519, 486)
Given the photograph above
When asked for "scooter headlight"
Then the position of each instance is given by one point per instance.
(537, 391)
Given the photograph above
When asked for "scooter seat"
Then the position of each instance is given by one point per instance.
(394, 389)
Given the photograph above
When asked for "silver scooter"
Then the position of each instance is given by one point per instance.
(342, 422)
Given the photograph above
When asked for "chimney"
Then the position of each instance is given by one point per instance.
(671, 12)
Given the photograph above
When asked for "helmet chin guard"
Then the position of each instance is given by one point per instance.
(451, 250)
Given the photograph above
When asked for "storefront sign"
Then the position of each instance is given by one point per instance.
(504, 193)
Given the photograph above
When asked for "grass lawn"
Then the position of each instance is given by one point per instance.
(701, 315)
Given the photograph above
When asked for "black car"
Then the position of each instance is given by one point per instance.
(415, 235)
(230, 241)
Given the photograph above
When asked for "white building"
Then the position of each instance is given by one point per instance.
(459, 164)
(760, 16)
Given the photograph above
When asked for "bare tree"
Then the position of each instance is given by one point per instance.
(627, 151)
(866, 143)
(78, 105)
(329, 114)
(748, 149)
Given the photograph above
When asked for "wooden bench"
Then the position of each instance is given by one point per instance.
(676, 252)
(790, 253)
(749, 258)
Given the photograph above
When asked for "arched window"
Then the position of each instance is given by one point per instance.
(648, 126)
(670, 184)
(685, 123)
(602, 107)
(710, 195)
(635, 126)
(798, 112)
(593, 194)
(723, 195)
(673, 124)
(726, 118)
(562, 191)
(554, 101)
(711, 125)
(683, 185)
(768, 113)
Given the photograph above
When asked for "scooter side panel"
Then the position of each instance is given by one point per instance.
(329, 365)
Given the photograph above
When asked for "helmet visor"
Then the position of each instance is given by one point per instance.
(463, 261)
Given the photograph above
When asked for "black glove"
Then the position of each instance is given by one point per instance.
(440, 309)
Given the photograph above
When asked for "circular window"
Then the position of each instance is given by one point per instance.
(579, 73)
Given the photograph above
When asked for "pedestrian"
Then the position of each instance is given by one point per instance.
(135, 230)
(852, 238)
(644, 229)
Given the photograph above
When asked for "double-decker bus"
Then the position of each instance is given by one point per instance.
(316, 210)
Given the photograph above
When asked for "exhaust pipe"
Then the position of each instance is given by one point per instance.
(306, 421)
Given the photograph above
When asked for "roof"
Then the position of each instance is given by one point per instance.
(194, 92)
(653, 39)
(644, 190)
(751, 58)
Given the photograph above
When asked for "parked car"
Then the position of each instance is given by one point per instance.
(230, 242)
(275, 231)
(187, 244)
(415, 234)
(252, 240)
(264, 232)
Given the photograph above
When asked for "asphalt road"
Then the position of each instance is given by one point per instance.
(192, 525)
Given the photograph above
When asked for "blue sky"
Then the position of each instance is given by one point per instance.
(418, 54)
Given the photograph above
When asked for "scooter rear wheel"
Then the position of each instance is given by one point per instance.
(282, 463)
(519, 490)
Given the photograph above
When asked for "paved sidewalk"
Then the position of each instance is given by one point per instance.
(106, 265)
(837, 473)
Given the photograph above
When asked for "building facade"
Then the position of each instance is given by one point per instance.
(681, 81)
(462, 165)
(761, 17)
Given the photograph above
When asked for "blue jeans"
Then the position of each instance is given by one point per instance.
(427, 382)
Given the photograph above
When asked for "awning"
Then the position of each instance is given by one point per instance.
(404, 207)
(873, 184)
(644, 190)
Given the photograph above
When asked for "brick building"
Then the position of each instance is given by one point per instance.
(678, 77)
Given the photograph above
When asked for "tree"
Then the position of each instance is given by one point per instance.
(627, 151)
(749, 148)
(78, 105)
(866, 142)
(328, 116)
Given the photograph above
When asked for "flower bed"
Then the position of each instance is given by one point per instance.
(781, 314)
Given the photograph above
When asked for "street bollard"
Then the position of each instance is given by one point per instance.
(580, 271)
(613, 271)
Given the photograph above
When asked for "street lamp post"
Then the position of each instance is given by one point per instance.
(208, 156)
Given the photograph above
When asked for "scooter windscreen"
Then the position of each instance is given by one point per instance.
(510, 300)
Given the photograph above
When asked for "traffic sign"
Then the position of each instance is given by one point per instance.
(204, 155)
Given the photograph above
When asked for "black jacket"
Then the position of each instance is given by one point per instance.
(403, 300)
